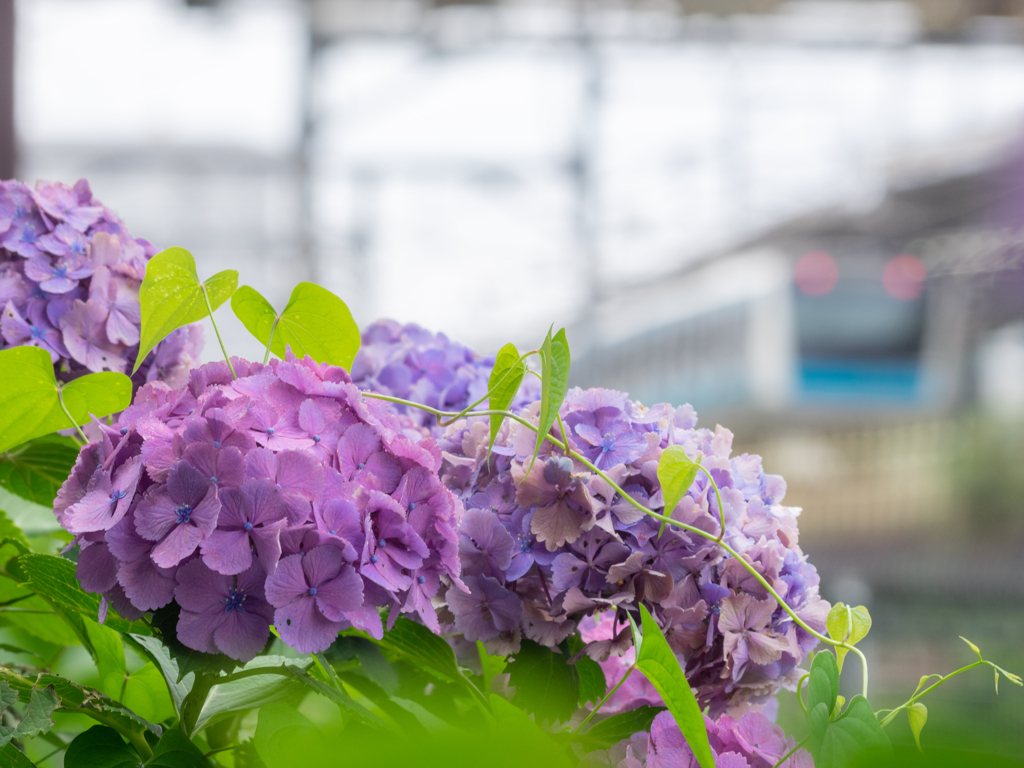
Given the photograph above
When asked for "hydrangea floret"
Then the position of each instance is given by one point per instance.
(281, 497)
(70, 273)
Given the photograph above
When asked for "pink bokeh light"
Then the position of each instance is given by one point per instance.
(816, 273)
(904, 277)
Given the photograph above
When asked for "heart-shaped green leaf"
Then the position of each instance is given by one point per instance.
(823, 686)
(847, 624)
(676, 473)
(655, 659)
(100, 747)
(554, 371)
(171, 296)
(506, 376)
(918, 714)
(30, 397)
(315, 322)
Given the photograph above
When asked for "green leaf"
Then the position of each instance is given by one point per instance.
(823, 686)
(315, 322)
(275, 723)
(676, 473)
(175, 750)
(593, 684)
(973, 647)
(419, 645)
(80, 700)
(38, 717)
(54, 578)
(848, 624)
(345, 702)
(251, 692)
(108, 651)
(655, 659)
(918, 714)
(506, 376)
(178, 686)
(11, 757)
(165, 624)
(171, 296)
(11, 533)
(8, 696)
(853, 738)
(554, 370)
(100, 747)
(29, 402)
(614, 729)
(491, 666)
(546, 684)
(145, 693)
(37, 469)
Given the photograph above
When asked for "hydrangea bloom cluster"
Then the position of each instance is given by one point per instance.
(69, 284)
(279, 497)
(545, 546)
(752, 741)
(412, 363)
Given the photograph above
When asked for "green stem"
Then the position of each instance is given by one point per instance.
(692, 529)
(273, 330)
(605, 699)
(448, 422)
(60, 399)
(799, 698)
(918, 695)
(791, 752)
(209, 308)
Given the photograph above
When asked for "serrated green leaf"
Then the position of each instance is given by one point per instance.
(655, 659)
(8, 696)
(38, 717)
(315, 322)
(29, 402)
(37, 469)
(676, 473)
(78, 699)
(546, 684)
(918, 715)
(100, 747)
(554, 371)
(847, 624)
(54, 578)
(503, 384)
(593, 684)
(823, 684)
(172, 296)
(614, 729)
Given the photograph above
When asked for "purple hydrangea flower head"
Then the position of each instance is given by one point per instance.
(69, 283)
(751, 741)
(582, 555)
(414, 364)
(184, 498)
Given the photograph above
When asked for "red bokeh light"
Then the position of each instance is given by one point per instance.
(816, 273)
(904, 277)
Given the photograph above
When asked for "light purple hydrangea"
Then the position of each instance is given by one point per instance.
(551, 549)
(750, 741)
(412, 363)
(231, 498)
(69, 284)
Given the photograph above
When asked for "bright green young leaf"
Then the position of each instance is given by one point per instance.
(506, 376)
(146, 694)
(251, 692)
(276, 722)
(849, 624)
(172, 296)
(973, 647)
(315, 322)
(614, 729)
(918, 714)
(554, 370)
(546, 684)
(491, 666)
(655, 659)
(30, 398)
(100, 747)
(37, 469)
(108, 651)
(823, 685)
(676, 473)
(178, 686)
(175, 750)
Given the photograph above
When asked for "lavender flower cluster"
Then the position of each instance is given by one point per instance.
(69, 284)
(279, 497)
(752, 741)
(412, 363)
(545, 547)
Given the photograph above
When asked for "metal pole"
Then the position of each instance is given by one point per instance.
(8, 137)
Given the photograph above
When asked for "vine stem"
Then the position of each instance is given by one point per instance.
(919, 695)
(670, 521)
(273, 330)
(213, 322)
(791, 752)
(606, 697)
(63, 407)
